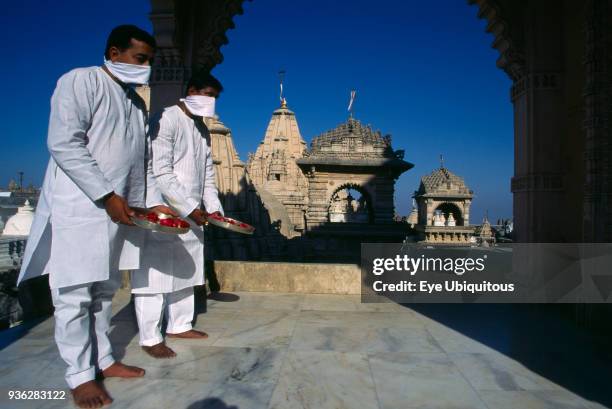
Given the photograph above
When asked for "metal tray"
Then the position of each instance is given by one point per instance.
(232, 227)
(146, 224)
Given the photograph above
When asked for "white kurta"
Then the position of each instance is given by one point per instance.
(97, 142)
(183, 170)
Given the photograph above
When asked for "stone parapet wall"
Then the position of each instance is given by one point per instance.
(311, 278)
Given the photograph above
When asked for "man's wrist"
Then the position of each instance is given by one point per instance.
(107, 196)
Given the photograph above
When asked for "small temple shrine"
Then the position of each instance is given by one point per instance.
(443, 205)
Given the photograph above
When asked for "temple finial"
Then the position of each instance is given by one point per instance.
(441, 161)
(283, 101)
(351, 101)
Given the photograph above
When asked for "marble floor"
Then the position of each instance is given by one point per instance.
(286, 351)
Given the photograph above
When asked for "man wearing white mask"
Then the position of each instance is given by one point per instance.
(80, 234)
(173, 264)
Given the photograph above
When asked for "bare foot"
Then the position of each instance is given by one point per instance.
(191, 334)
(90, 395)
(119, 370)
(159, 351)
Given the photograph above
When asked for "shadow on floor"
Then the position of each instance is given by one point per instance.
(211, 403)
(13, 334)
(538, 337)
(223, 297)
(201, 299)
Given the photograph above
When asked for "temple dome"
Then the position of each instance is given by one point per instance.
(20, 223)
(352, 144)
(443, 182)
(352, 138)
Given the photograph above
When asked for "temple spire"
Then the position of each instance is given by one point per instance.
(441, 161)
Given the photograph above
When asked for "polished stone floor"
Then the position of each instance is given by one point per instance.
(286, 351)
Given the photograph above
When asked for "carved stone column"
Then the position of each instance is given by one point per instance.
(317, 198)
(384, 190)
(189, 35)
(597, 222)
(466, 212)
(169, 71)
(538, 182)
(530, 38)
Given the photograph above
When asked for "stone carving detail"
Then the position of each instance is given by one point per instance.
(169, 67)
(208, 53)
(537, 183)
(547, 80)
(352, 140)
(510, 47)
(189, 35)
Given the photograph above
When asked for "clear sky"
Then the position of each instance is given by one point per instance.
(424, 73)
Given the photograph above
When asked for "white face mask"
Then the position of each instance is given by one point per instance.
(200, 105)
(129, 73)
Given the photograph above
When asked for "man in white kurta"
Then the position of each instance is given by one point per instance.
(97, 141)
(173, 264)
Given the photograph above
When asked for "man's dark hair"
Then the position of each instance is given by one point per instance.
(121, 37)
(203, 79)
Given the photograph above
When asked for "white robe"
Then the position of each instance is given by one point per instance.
(183, 169)
(97, 141)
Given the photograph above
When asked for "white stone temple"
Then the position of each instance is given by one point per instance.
(273, 166)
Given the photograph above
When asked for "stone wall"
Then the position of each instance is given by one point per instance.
(312, 278)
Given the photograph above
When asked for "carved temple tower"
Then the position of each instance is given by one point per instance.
(273, 167)
(229, 169)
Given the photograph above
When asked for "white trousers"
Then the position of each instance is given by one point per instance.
(82, 321)
(179, 310)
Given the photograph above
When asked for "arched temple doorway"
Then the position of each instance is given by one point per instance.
(350, 203)
(451, 213)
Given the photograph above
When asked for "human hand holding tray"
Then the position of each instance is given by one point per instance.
(157, 221)
(229, 223)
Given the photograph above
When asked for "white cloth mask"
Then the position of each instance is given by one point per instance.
(129, 73)
(200, 105)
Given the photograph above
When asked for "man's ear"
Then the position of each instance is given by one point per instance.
(113, 53)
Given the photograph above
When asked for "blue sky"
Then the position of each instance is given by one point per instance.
(424, 72)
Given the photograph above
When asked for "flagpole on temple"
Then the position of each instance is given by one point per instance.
(281, 76)
(351, 101)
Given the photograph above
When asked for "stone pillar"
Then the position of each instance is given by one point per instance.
(597, 219)
(540, 51)
(169, 73)
(384, 209)
(168, 81)
(317, 199)
(430, 208)
(539, 132)
(466, 212)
